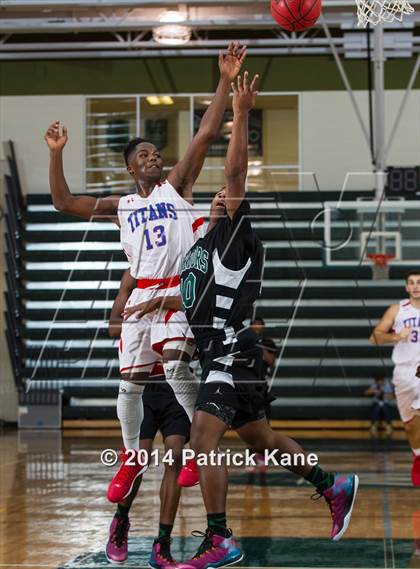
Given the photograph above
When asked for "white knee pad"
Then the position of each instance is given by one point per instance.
(130, 412)
(184, 384)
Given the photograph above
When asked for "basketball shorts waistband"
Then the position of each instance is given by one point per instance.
(168, 282)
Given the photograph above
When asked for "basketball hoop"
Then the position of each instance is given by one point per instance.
(380, 267)
(376, 11)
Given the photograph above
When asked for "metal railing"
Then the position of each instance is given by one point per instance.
(14, 294)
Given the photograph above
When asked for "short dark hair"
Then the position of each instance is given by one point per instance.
(258, 319)
(411, 273)
(131, 146)
(269, 345)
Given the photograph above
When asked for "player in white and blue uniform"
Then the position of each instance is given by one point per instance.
(157, 227)
(400, 325)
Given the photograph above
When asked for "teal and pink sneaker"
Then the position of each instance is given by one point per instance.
(117, 547)
(215, 551)
(161, 556)
(340, 498)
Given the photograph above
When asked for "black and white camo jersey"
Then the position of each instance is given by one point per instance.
(221, 277)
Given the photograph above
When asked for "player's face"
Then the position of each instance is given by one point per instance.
(146, 163)
(413, 286)
(218, 206)
(258, 327)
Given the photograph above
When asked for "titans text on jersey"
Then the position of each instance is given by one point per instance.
(151, 213)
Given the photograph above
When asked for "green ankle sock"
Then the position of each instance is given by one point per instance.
(320, 479)
(165, 530)
(217, 524)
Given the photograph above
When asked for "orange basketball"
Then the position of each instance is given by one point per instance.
(295, 15)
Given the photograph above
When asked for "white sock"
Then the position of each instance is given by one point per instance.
(184, 384)
(130, 413)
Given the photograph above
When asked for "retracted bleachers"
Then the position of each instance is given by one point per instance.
(39, 403)
(72, 270)
(14, 204)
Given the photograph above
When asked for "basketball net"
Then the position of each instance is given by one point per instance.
(376, 11)
(380, 267)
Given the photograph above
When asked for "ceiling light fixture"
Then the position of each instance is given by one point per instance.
(173, 17)
(153, 100)
(160, 100)
(172, 34)
(166, 100)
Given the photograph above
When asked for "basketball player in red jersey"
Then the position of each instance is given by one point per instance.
(400, 326)
(158, 226)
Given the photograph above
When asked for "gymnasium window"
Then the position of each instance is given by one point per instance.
(170, 121)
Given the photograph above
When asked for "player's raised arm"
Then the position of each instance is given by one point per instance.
(383, 334)
(236, 165)
(185, 173)
(63, 200)
(128, 283)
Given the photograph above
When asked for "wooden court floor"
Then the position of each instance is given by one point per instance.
(54, 513)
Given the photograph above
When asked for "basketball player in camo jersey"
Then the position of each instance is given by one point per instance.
(220, 281)
(400, 325)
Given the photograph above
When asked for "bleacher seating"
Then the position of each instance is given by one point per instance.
(326, 363)
(13, 267)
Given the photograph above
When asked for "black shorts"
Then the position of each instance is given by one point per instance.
(218, 398)
(162, 412)
(238, 397)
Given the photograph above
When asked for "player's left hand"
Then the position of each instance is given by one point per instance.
(230, 63)
(244, 93)
(140, 310)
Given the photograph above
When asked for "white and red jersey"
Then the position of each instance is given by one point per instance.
(407, 317)
(157, 231)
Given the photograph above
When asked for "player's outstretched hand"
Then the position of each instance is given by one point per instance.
(244, 93)
(55, 137)
(230, 63)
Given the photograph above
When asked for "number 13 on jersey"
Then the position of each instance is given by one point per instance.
(158, 239)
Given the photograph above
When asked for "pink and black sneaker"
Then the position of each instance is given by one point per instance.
(189, 474)
(340, 498)
(161, 556)
(122, 483)
(215, 551)
(117, 548)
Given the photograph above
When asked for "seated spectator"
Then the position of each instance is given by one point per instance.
(381, 392)
(258, 325)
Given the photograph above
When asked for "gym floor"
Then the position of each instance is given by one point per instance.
(54, 513)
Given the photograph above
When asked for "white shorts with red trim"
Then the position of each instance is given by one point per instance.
(142, 340)
(135, 353)
(407, 390)
(170, 325)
